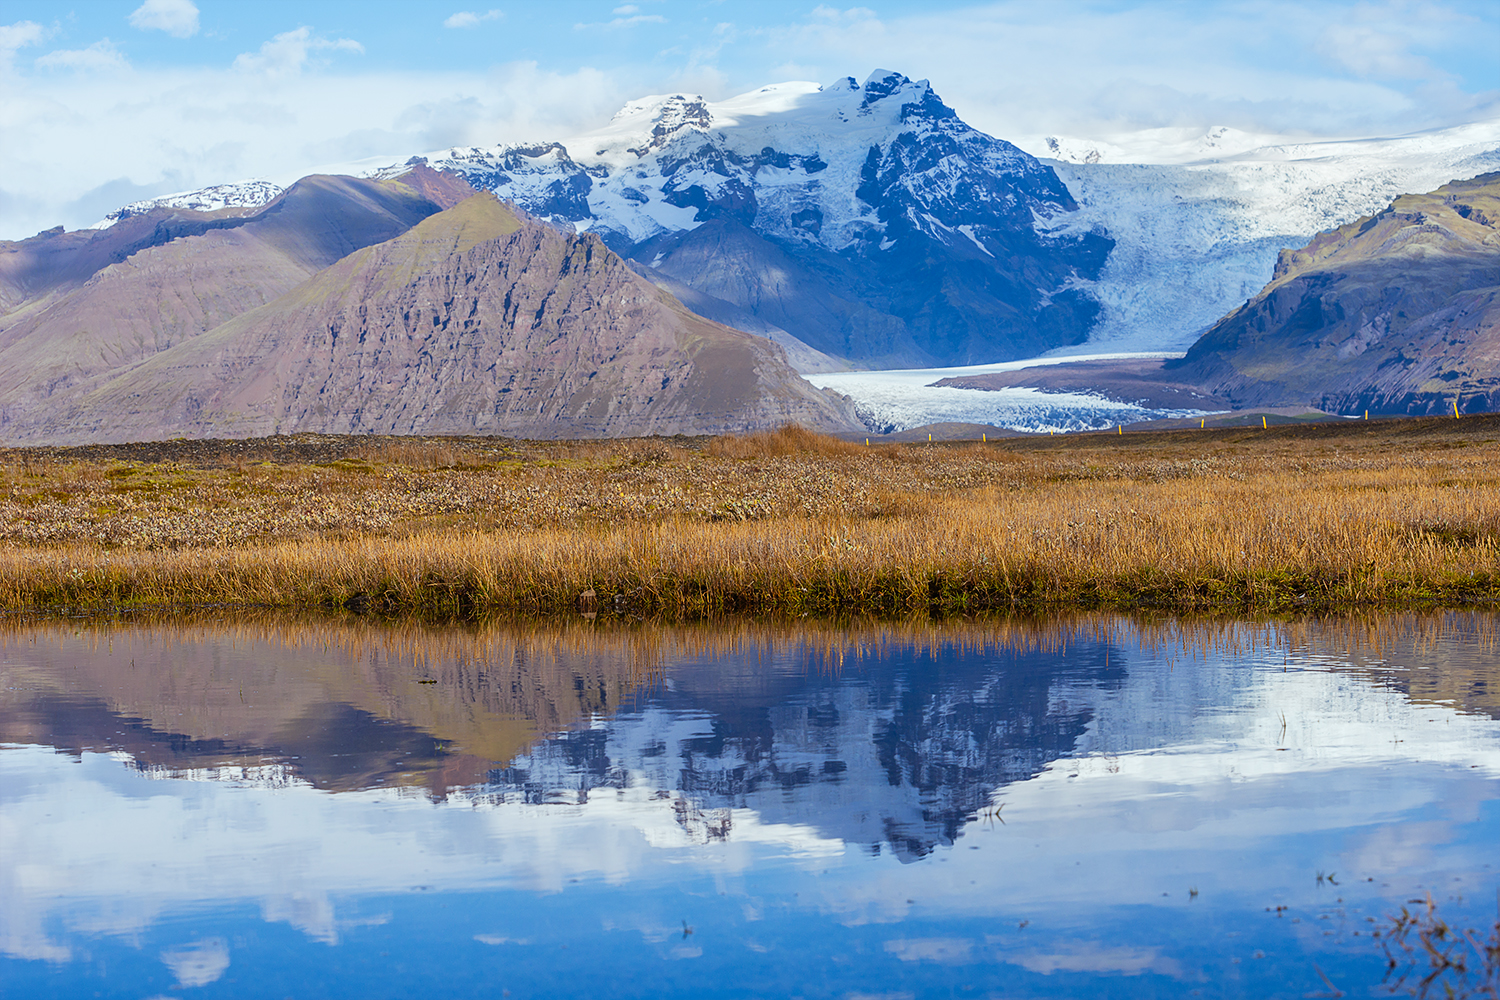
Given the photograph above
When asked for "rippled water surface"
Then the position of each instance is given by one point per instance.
(1096, 807)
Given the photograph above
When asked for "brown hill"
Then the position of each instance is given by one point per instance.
(474, 321)
(1396, 313)
(88, 303)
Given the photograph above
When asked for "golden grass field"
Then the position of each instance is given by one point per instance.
(1384, 514)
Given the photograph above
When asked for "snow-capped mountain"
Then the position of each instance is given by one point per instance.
(241, 194)
(867, 219)
(826, 165)
(1199, 217)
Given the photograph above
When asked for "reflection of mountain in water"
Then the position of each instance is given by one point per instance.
(897, 747)
(884, 737)
(900, 751)
(342, 708)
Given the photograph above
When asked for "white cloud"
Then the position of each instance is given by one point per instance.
(1368, 51)
(288, 52)
(74, 146)
(17, 36)
(1377, 40)
(469, 19)
(178, 18)
(1014, 67)
(623, 22)
(99, 57)
(629, 8)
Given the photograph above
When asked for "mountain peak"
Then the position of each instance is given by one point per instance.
(661, 117)
(884, 83)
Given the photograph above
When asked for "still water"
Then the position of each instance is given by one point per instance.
(1093, 807)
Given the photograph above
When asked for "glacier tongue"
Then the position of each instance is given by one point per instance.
(889, 401)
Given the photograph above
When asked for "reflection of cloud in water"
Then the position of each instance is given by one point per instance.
(1043, 955)
(198, 964)
(931, 949)
(312, 913)
(1091, 956)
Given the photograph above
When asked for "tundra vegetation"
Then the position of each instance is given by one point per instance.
(1380, 514)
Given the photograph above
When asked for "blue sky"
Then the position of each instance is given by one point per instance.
(102, 102)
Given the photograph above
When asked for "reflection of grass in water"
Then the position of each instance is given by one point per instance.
(1428, 957)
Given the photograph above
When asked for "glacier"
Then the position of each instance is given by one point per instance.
(1198, 217)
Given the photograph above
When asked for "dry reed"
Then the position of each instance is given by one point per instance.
(785, 523)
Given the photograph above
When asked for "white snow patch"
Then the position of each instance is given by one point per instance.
(240, 194)
(968, 231)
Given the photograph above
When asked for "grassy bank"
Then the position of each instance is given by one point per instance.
(1381, 514)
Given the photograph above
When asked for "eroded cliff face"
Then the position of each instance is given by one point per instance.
(1395, 313)
(477, 320)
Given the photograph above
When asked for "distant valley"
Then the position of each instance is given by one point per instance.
(674, 271)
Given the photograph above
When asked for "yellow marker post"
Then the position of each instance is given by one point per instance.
(929, 437)
(1455, 407)
(986, 437)
(1367, 414)
(1200, 422)
(1262, 423)
(867, 442)
(1122, 428)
